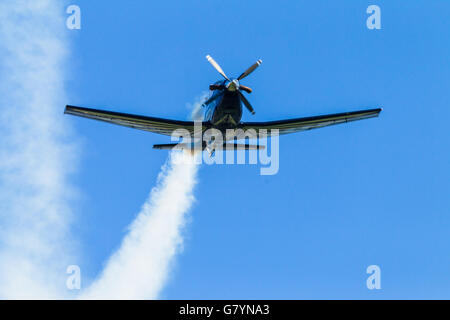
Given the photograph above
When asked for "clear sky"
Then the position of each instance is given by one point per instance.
(346, 197)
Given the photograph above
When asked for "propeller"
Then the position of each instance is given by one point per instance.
(234, 85)
(216, 66)
(250, 70)
(246, 103)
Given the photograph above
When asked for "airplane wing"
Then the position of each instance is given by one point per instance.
(308, 123)
(156, 125)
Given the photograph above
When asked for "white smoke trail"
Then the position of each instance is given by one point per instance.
(140, 267)
(35, 157)
(35, 161)
(196, 108)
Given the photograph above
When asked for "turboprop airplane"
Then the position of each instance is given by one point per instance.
(223, 111)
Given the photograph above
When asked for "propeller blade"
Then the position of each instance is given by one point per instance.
(246, 89)
(246, 103)
(213, 87)
(250, 70)
(211, 99)
(216, 66)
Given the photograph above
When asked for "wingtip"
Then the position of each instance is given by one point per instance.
(69, 109)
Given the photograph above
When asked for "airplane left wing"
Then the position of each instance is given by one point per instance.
(156, 125)
(308, 123)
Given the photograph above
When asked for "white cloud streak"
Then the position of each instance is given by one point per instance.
(36, 158)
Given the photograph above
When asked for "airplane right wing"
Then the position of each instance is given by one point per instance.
(308, 123)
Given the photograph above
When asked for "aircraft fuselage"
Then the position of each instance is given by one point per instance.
(225, 109)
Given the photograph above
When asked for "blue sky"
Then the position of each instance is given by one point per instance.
(346, 197)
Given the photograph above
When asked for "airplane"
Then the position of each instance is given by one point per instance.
(223, 111)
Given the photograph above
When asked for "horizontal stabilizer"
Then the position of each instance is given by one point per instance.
(226, 146)
(241, 146)
(170, 146)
